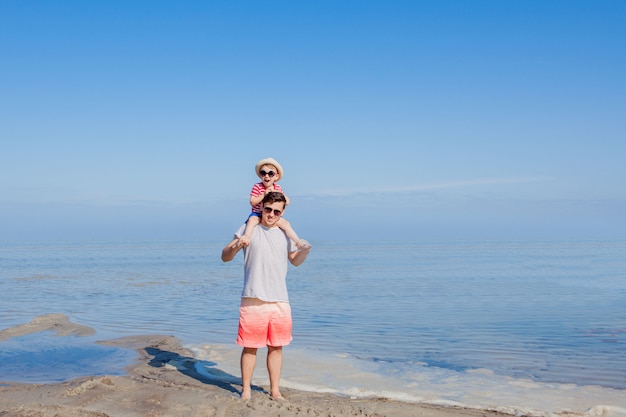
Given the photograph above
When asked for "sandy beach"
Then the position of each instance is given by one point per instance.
(163, 383)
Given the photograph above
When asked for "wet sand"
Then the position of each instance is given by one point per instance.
(164, 383)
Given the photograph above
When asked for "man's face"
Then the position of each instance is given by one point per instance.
(272, 213)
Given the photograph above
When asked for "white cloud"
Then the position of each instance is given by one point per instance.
(428, 187)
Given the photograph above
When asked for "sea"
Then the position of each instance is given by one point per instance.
(532, 327)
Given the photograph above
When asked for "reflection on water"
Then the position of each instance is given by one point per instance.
(544, 312)
(43, 358)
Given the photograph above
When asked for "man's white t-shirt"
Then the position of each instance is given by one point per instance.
(266, 263)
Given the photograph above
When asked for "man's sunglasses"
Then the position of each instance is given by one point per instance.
(268, 210)
(269, 173)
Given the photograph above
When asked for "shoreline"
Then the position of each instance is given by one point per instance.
(167, 379)
(164, 382)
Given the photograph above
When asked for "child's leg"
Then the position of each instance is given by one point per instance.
(286, 227)
(291, 234)
(250, 225)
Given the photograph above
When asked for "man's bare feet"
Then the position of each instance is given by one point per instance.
(246, 394)
(277, 396)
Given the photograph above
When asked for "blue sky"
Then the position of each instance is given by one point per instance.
(394, 120)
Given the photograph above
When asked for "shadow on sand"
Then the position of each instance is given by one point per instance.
(189, 367)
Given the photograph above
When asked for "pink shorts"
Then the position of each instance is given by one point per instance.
(263, 324)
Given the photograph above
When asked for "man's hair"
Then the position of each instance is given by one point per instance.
(274, 197)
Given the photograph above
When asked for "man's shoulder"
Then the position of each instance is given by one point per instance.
(241, 230)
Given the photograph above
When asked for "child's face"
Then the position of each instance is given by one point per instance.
(271, 175)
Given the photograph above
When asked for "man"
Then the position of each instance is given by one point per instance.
(265, 314)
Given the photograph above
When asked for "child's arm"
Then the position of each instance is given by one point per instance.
(280, 189)
(257, 194)
(255, 200)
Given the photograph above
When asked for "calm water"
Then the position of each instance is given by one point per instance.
(531, 326)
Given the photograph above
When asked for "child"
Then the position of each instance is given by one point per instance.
(270, 171)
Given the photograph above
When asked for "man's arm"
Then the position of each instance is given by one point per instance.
(229, 252)
(297, 257)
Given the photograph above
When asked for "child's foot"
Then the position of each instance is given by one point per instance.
(303, 245)
(244, 241)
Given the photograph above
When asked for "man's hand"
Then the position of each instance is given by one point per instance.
(229, 252)
(298, 256)
(303, 245)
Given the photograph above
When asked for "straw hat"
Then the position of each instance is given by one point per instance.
(269, 161)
